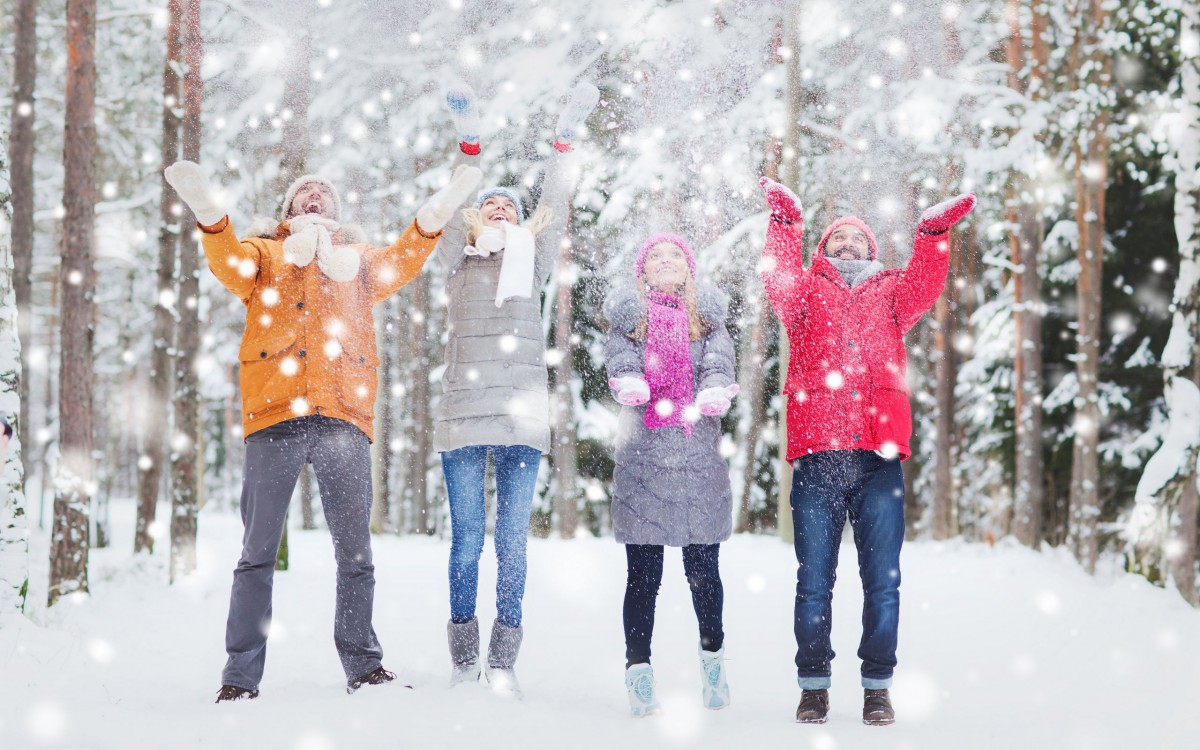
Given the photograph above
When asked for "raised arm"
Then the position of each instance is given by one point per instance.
(235, 264)
(782, 263)
(925, 276)
(556, 195)
(389, 268)
(454, 235)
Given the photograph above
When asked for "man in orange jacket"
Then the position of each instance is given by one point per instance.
(308, 382)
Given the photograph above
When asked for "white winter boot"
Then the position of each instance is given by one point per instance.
(716, 687)
(639, 682)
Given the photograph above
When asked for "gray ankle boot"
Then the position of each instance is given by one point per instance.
(464, 650)
(503, 648)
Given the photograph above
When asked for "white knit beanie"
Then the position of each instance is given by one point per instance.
(301, 182)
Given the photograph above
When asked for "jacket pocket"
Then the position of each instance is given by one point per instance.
(356, 373)
(270, 373)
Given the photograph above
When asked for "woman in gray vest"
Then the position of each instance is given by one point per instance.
(670, 364)
(495, 397)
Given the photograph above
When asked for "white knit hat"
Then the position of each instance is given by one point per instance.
(301, 182)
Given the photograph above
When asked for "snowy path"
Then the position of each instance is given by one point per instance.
(1000, 648)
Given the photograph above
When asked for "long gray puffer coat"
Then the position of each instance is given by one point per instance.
(667, 488)
(494, 385)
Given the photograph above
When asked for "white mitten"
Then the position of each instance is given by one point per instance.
(714, 402)
(191, 183)
(490, 240)
(460, 97)
(436, 212)
(340, 263)
(629, 390)
(584, 98)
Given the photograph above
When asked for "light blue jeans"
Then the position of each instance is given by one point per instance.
(516, 480)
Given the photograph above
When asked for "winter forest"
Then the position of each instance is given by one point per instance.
(1055, 386)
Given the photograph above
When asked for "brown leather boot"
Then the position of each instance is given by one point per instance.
(813, 708)
(877, 708)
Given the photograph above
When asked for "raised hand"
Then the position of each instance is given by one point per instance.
(432, 216)
(937, 219)
(629, 390)
(584, 98)
(460, 97)
(191, 184)
(785, 205)
(714, 402)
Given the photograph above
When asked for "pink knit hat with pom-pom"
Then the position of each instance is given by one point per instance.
(639, 265)
(855, 222)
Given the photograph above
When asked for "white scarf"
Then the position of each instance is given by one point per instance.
(516, 267)
(311, 237)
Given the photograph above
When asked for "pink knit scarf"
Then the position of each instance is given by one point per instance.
(668, 361)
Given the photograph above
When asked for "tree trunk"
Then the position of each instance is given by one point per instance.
(157, 420)
(307, 521)
(789, 175)
(422, 427)
(381, 512)
(14, 523)
(566, 498)
(1091, 179)
(73, 485)
(185, 466)
(945, 310)
(1166, 493)
(1025, 241)
(296, 93)
(752, 377)
(21, 146)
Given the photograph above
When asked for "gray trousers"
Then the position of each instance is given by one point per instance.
(341, 457)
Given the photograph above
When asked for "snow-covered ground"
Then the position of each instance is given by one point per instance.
(1000, 648)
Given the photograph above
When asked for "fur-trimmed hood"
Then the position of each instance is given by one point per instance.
(270, 229)
(623, 308)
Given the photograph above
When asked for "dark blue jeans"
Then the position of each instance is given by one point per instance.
(827, 488)
(645, 566)
(516, 480)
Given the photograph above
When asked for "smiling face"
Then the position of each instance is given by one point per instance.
(497, 210)
(314, 198)
(666, 267)
(848, 243)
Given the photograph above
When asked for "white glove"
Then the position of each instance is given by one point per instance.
(437, 211)
(714, 402)
(191, 183)
(629, 390)
(584, 98)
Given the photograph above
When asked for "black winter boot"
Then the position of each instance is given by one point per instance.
(813, 708)
(377, 676)
(235, 693)
(877, 708)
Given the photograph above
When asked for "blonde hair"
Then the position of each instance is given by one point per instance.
(473, 219)
(697, 328)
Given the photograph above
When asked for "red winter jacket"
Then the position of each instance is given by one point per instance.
(846, 383)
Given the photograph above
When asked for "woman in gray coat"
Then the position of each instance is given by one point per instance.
(495, 397)
(670, 363)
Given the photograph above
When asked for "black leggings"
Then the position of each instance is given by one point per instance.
(641, 590)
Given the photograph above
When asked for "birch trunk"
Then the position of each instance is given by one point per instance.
(566, 496)
(14, 522)
(73, 484)
(1163, 524)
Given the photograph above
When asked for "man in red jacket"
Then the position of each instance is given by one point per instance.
(849, 423)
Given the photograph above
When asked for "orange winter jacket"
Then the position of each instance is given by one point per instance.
(309, 345)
